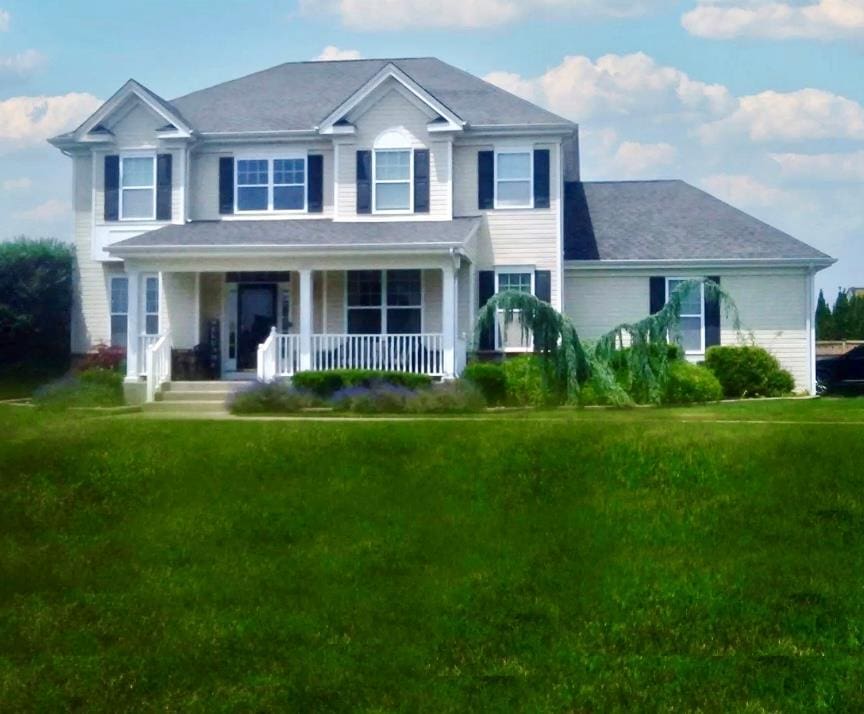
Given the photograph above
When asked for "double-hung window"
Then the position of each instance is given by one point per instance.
(691, 327)
(265, 184)
(509, 338)
(392, 171)
(138, 188)
(514, 179)
(384, 302)
(151, 305)
(119, 299)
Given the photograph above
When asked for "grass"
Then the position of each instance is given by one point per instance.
(563, 561)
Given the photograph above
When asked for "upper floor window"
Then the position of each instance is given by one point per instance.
(271, 184)
(691, 327)
(392, 172)
(514, 179)
(138, 188)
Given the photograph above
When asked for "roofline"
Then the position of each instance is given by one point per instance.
(642, 264)
(276, 250)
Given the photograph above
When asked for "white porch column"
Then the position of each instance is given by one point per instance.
(448, 319)
(305, 319)
(133, 326)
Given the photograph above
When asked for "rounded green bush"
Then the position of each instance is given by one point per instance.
(748, 371)
(526, 383)
(688, 383)
(326, 383)
(490, 379)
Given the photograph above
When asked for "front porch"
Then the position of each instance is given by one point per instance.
(269, 325)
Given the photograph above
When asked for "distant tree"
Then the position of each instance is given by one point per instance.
(856, 318)
(35, 300)
(824, 319)
(842, 316)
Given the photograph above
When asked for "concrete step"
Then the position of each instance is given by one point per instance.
(174, 395)
(222, 387)
(197, 407)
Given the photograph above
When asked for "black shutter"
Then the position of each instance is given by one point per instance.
(364, 182)
(658, 294)
(112, 187)
(712, 316)
(226, 184)
(485, 179)
(543, 285)
(315, 186)
(163, 187)
(421, 180)
(486, 291)
(541, 178)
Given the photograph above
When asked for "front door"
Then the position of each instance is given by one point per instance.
(256, 314)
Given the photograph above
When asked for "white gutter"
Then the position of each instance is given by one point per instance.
(590, 265)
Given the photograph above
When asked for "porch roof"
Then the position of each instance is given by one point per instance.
(301, 237)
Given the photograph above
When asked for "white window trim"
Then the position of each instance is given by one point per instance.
(521, 269)
(111, 313)
(515, 150)
(376, 181)
(270, 185)
(144, 314)
(701, 314)
(383, 307)
(137, 155)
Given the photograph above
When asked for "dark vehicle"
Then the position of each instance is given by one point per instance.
(844, 373)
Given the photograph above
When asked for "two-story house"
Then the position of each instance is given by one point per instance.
(356, 214)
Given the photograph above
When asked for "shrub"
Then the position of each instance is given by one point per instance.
(748, 371)
(327, 383)
(526, 383)
(275, 398)
(103, 357)
(456, 397)
(381, 398)
(90, 388)
(688, 383)
(490, 379)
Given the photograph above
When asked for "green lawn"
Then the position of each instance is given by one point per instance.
(559, 561)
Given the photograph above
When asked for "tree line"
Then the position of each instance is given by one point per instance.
(845, 321)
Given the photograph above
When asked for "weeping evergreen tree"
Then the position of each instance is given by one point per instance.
(639, 347)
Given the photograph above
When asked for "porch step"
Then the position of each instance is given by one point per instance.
(195, 397)
(223, 387)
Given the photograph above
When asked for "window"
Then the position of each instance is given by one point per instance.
(271, 184)
(151, 305)
(392, 171)
(119, 298)
(509, 338)
(370, 314)
(691, 328)
(138, 188)
(514, 179)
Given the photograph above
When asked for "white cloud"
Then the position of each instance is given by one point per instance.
(331, 53)
(28, 121)
(51, 210)
(743, 190)
(822, 167)
(5, 19)
(636, 159)
(824, 19)
(18, 184)
(466, 14)
(792, 116)
(21, 64)
(631, 85)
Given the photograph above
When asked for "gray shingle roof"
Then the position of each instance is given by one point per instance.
(307, 234)
(668, 220)
(298, 95)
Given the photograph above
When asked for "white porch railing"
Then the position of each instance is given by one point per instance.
(287, 355)
(144, 344)
(420, 354)
(267, 362)
(158, 364)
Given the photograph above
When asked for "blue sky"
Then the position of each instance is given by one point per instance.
(760, 103)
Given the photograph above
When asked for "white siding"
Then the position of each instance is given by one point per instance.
(394, 111)
(772, 307)
(178, 292)
(511, 237)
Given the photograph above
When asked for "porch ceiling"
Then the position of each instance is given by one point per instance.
(300, 237)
